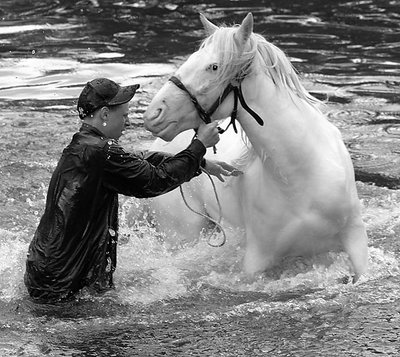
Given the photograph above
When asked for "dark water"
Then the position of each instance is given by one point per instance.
(195, 301)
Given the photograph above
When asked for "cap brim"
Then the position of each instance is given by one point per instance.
(125, 94)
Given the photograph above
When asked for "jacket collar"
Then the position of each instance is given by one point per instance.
(90, 129)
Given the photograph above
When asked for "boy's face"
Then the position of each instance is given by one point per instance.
(117, 120)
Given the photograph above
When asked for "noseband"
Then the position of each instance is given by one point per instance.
(206, 115)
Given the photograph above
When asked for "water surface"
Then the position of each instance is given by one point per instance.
(195, 300)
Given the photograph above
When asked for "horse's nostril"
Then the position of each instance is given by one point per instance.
(151, 115)
(156, 113)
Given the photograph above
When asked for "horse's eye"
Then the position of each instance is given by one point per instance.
(214, 67)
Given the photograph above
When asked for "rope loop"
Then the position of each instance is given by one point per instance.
(218, 227)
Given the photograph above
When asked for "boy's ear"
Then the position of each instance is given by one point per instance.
(104, 111)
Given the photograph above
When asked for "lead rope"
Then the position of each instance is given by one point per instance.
(217, 223)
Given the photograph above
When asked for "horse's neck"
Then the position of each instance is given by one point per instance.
(285, 118)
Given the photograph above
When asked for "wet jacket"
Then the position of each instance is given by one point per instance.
(75, 243)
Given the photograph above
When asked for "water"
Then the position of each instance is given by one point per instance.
(195, 301)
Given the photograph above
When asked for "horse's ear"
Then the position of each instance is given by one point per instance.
(245, 30)
(208, 25)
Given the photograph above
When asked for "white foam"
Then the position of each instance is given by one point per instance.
(13, 249)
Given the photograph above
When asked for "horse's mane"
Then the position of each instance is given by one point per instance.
(273, 60)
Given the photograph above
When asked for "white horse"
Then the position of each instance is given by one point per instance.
(297, 195)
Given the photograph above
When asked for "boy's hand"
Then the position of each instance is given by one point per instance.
(208, 134)
(221, 168)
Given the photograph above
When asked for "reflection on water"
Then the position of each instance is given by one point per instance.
(195, 300)
(49, 79)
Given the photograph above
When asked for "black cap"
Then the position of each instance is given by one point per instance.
(103, 92)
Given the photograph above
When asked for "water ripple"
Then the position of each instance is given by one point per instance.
(299, 19)
(55, 79)
(12, 29)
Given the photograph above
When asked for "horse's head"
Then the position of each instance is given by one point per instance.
(205, 75)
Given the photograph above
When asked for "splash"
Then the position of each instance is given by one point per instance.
(149, 271)
(13, 248)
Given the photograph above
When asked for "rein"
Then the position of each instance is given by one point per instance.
(205, 115)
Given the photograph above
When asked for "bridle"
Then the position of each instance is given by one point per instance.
(205, 115)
